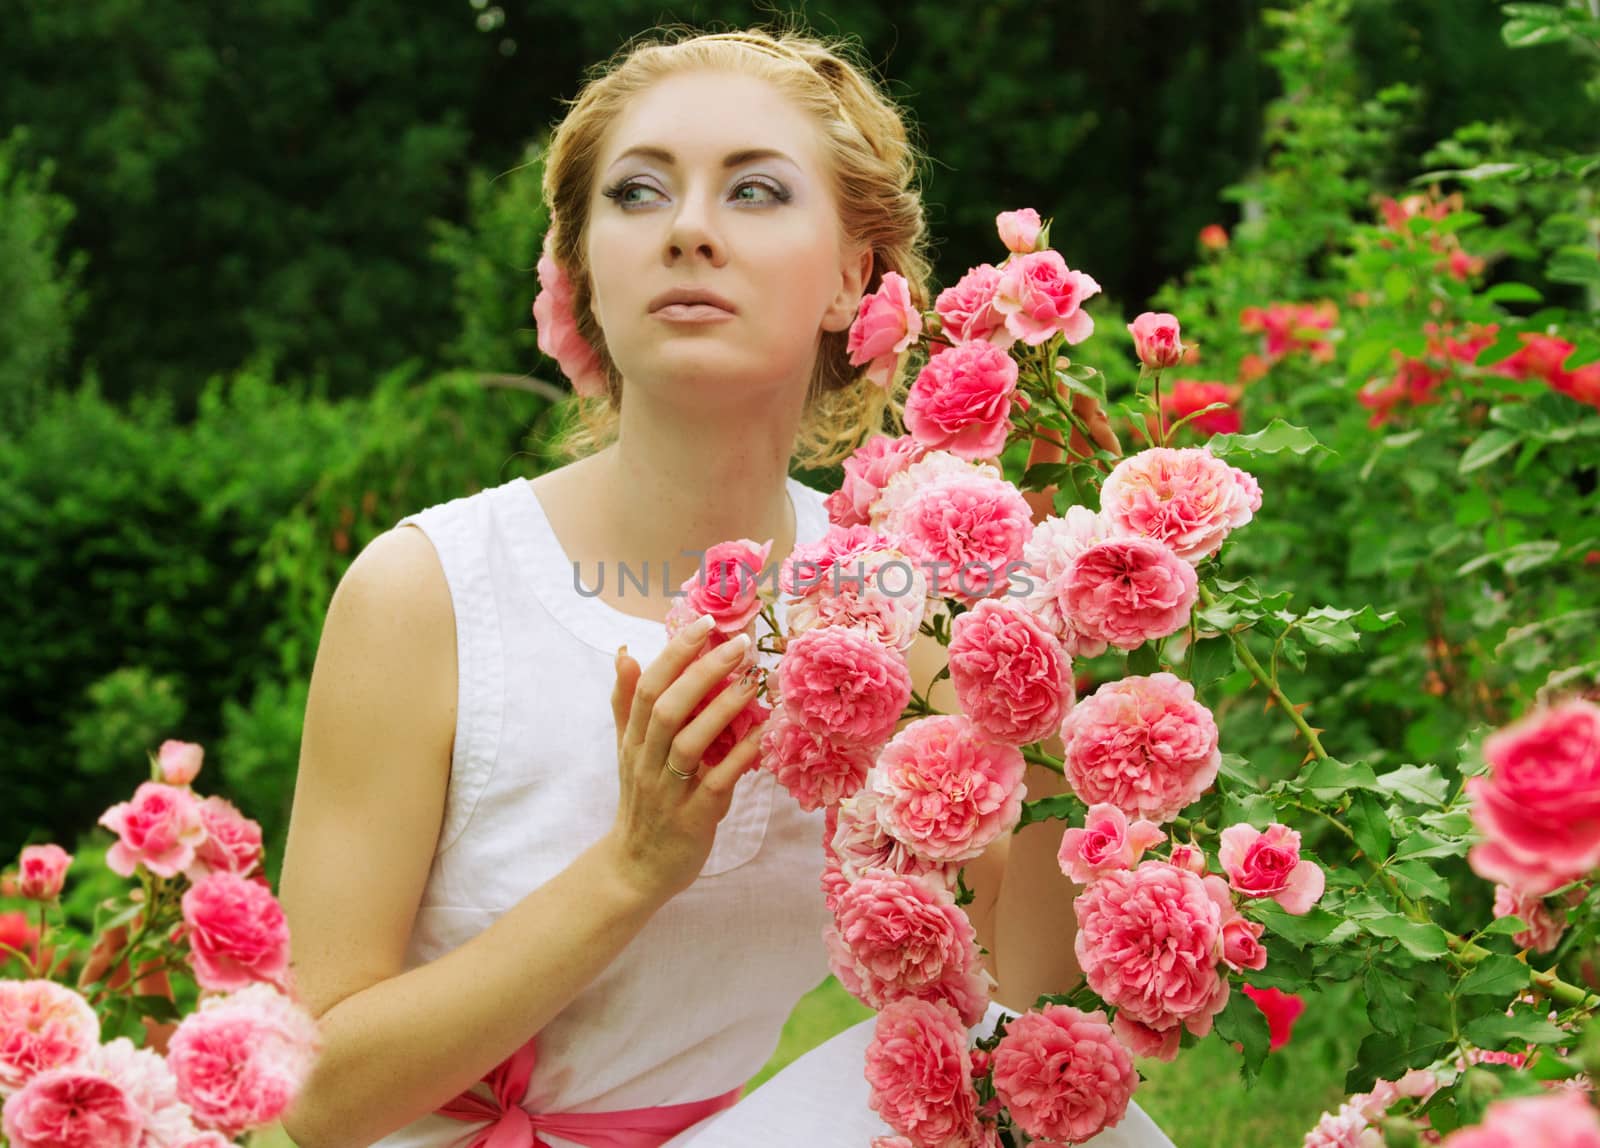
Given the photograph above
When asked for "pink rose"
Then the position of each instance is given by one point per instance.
(242, 1059)
(886, 324)
(727, 585)
(179, 761)
(866, 472)
(755, 713)
(815, 769)
(961, 401)
(1190, 857)
(1269, 865)
(1281, 1010)
(1142, 744)
(1346, 1128)
(1186, 396)
(42, 871)
(236, 931)
(1187, 498)
(1142, 1040)
(1156, 341)
(557, 328)
(1047, 556)
(1012, 678)
(1539, 805)
(881, 592)
(1241, 944)
(921, 1080)
(1128, 591)
(43, 1025)
(144, 1078)
(159, 829)
(1040, 298)
(1105, 843)
(965, 524)
(896, 936)
(858, 842)
(891, 1142)
(72, 1107)
(1062, 1074)
(1558, 1120)
(232, 842)
(946, 791)
(1019, 230)
(1544, 929)
(966, 310)
(1149, 941)
(844, 684)
(825, 564)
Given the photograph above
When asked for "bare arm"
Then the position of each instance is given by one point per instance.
(368, 805)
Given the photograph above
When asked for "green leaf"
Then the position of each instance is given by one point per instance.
(1578, 265)
(1309, 928)
(1513, 293)
(1274, 438)
(1493, 443)
(1382, 1057)
(1496, 1029)
(1044, 475)
(1423, 784)
(1391, 1006)
(1330, 778)
(1370, 825)
(1495, 975)
(1421, 939)
(1241, 1022)
(1144, 660)
(1213, 658)
(1338, 630)
(1425, 844)
(1057, 807)
(1504, 927)
(1417, 880)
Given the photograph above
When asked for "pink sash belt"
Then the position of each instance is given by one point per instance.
(508, 1125)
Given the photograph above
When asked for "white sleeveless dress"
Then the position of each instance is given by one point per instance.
(694, 1006)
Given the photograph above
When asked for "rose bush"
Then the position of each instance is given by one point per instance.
(86, 1057)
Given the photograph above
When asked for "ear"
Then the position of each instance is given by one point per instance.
(856, 271)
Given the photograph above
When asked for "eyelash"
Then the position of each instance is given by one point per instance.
(617, 190)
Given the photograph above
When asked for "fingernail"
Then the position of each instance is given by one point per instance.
(622, 652)
(702, 625)
(741, 643)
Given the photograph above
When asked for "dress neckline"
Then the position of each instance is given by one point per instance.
(545, 562)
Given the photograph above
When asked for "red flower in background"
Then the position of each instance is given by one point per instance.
(1281, 1010)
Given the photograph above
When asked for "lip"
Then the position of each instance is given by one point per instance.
(691, 295)
(691, 313)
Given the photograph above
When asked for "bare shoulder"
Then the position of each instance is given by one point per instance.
(374, 769)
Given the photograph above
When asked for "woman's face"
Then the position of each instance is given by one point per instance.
(676, 205)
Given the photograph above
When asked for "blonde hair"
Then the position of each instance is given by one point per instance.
(874, 167)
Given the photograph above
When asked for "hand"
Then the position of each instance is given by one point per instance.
(666, 826)
(1042, 502)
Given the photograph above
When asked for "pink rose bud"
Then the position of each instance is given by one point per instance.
(887, 322)
(1213, 237)
(1189, 857)
(42, 872)
(1155, 340)
(179, 761)
(1019, 230)
(1106, 842)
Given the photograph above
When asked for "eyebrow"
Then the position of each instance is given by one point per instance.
(732, 160)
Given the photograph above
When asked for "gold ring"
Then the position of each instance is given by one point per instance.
(678, 773)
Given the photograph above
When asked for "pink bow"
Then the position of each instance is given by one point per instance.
(508, 1125)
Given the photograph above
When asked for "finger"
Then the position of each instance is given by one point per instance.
(660, 674)
(731, 697)
(627, 671)
(672, 709)
(718, 780)
(1095, 418)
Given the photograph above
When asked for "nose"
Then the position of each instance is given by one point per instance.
(692, 231)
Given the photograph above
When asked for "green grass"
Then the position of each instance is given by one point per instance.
(1198, 1099)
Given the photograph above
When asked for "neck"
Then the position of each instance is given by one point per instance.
(673, 487)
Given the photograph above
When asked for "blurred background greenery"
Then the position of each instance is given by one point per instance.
(265, 278)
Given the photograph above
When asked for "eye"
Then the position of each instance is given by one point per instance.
(777, 193)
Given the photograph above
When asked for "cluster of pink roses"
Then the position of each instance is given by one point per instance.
(1290, 328)
(1155, 937)
(234, 1064)
(1354, 1125)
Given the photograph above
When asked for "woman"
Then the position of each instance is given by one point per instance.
(503, 825)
